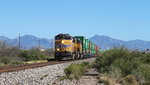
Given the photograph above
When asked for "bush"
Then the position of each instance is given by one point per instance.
(142, 73)
(114, 72)
(74, 71)
(146, 58)
(104, 62)
(32, 54)
(49, 52)
(125, 65)
(6, 60)
(125, 62)
(1, 64)
(25, 54)
(16, 62)
(86, 65)
(9, 53)
(120, 58)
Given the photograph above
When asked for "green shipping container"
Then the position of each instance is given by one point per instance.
(87, 46)
(93, 46)
(100, 51)
(84, 43)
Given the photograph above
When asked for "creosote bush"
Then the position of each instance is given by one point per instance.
(86, 65)
(6, 60)
(16, 62)
(75, 71)
(32, 54)
(120, 62)
(12, 55)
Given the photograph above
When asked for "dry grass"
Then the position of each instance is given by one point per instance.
(108, 81)
(130, 79)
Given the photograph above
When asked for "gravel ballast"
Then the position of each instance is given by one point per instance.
(37, 76)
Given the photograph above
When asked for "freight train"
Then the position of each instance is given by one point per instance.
(76, 47)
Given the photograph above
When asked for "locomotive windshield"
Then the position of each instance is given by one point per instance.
(58, 38)
(67, 38)
(63, 36)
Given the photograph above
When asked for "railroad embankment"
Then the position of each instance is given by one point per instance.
(37, 76)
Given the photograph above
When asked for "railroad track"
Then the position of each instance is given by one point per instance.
(27, 66)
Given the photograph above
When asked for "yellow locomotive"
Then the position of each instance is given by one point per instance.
(67, 47)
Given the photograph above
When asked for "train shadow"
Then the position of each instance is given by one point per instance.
(59, 60)
(66, 59)
(51, 60)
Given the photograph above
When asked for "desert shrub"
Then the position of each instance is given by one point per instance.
(13, 55)
(74, 71)
(16, 62)
(8, 50)
(126, 65)
(120, 58)
(114, 72)
(32, 54)
(49, 52)
(37, 55)
(142, 73)
(86, 65)
(104, 62)
(146, 58)
(126, 62)
(6, 60)
(25, 54)
(129, 80)
(1, 64)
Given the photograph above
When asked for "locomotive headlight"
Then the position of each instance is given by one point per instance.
(62, 41)
(58, 49)
(67, 49)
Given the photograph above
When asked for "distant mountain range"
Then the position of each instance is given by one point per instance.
(104, 42)
(29, 41)
(107, 43)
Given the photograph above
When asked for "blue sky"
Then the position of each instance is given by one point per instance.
(121, 19)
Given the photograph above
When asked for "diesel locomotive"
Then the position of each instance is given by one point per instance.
(76, 47)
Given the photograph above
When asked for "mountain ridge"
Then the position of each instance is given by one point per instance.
(104, 42)
(107, 43)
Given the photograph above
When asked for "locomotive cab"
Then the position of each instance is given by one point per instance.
(63, 46)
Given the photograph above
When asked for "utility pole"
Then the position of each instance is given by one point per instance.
(52, 45)
(19, 41)
(39, 44)
(52, 42)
